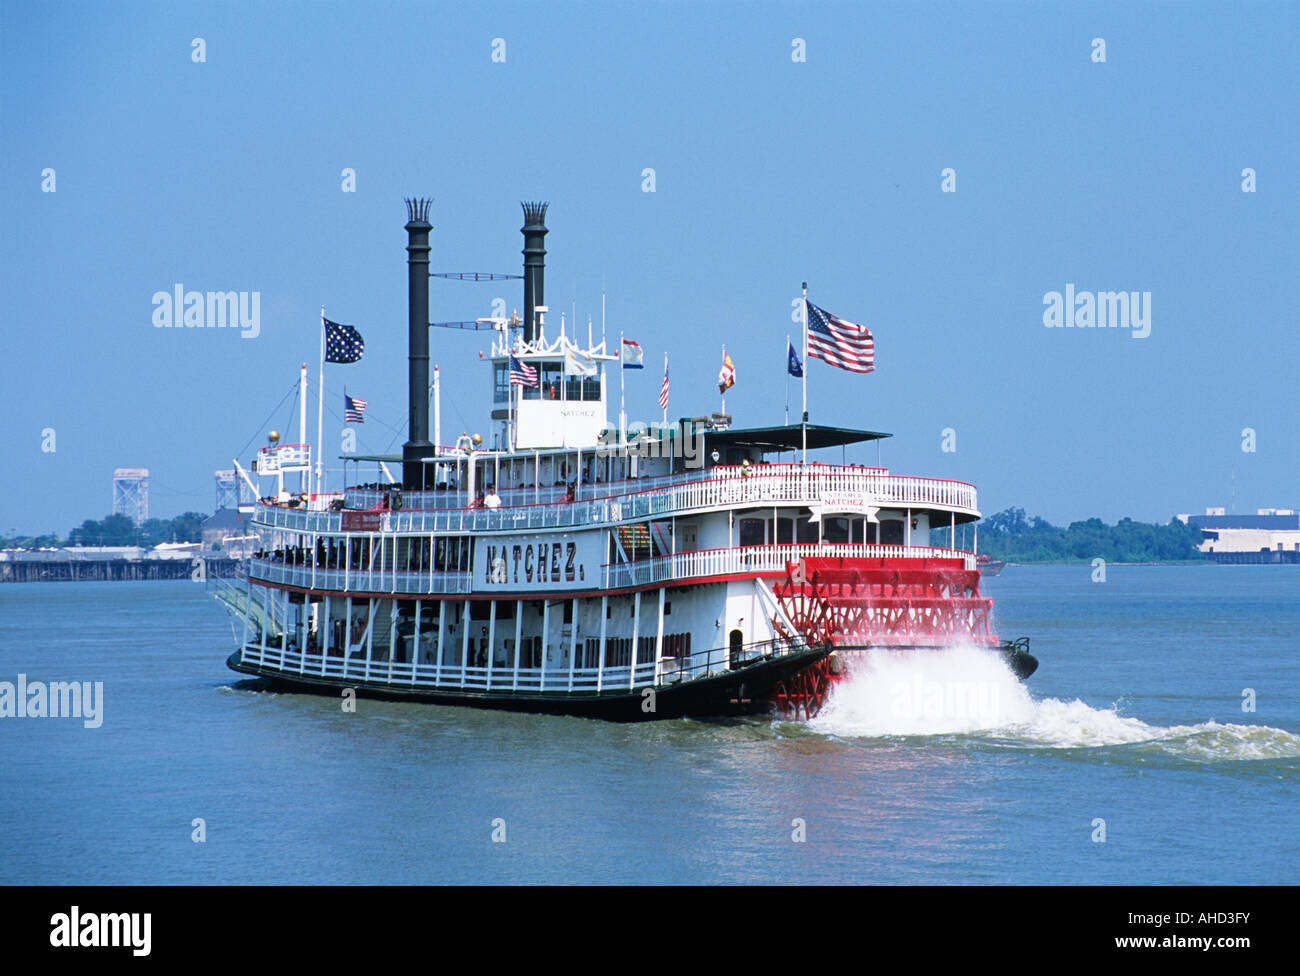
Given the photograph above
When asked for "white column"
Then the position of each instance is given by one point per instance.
(492, 640)
(604, 613)
(415, 643)
(248, 612)
(392, 637)
(370, 633)
(323, 628)
(573, 641)
(659, 635)
(347, 637)
(464, 640)
(546, 622)
(303, 614)
(442, 640)
(284, 623)
(636, 637)
(519, 633)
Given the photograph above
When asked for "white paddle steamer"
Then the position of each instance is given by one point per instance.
(574, 567)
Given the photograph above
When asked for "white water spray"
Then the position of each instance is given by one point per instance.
(970, 691)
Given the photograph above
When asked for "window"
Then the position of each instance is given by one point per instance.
(500, 382)
(591, 388)
(806, 532)
(835, 530)
(551, 376)
(751, 531)
(782, 533)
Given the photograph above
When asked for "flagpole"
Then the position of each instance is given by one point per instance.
(665, 377)
(622, 415)
(320, 409)
(787, 379)
(804, 425)
(724, 389)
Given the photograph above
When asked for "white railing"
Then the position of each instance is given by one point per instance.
(682, 566)
(705, 563)
(378, 580)
(507, 678)
(625, 501)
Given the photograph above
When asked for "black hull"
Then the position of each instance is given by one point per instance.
(744, 691)
(1014, 653)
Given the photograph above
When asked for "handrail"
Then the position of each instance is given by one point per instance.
(559, 680)
(677, 495)
(681, 566)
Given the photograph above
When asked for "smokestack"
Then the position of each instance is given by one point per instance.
(534, 265)
(417, 264)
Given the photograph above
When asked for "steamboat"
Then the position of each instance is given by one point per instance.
(569, 566)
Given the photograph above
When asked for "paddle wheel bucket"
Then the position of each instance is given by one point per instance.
(856, 604)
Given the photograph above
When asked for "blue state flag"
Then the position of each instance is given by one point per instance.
(793, 366)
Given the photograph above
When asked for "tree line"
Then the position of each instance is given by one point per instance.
(119, 530)
(1011, 536)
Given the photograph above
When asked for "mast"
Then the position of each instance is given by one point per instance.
(437, 409)
(804, 424)
(302, 425)
(320, 409)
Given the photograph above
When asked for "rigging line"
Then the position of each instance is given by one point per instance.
(397, 431)
(268, 418)
(466, 325)
(475, 276)
(293, 408)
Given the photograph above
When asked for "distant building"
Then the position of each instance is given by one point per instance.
(131, 493)
(231, 531)
(1271, 535)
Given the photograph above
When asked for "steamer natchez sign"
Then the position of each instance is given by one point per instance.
(544, 562)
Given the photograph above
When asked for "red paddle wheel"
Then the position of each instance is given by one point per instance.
(856, 604)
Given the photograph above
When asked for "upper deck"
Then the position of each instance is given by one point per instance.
(825, 487)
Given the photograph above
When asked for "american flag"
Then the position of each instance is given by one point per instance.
(343, 344)
(521, 374)
(354, 409)
(839, 342)
(663, 390)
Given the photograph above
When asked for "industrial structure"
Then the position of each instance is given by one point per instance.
(131, 493)
(1271, 535)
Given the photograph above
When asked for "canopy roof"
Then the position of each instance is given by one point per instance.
(790, 437)
(787, 438)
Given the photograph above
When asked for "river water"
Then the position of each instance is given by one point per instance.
(1127, 759)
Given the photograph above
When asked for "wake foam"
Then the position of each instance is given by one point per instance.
(969, 691)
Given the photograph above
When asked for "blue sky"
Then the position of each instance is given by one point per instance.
(226, 175)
